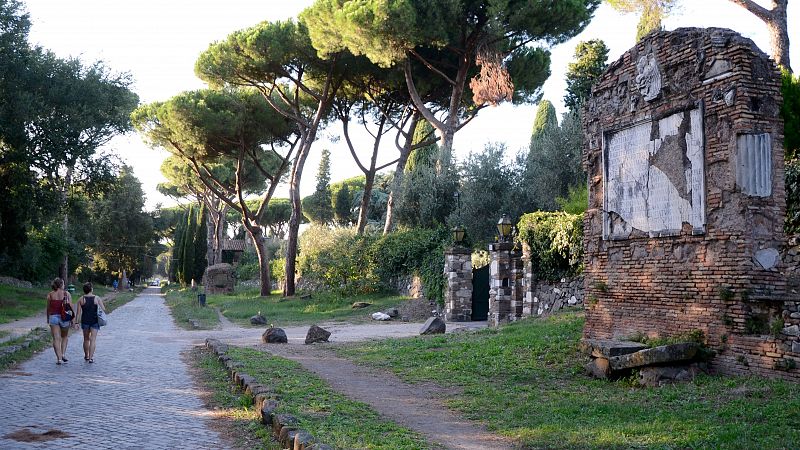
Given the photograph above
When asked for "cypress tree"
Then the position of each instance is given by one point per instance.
(177, 249)
(200, 245)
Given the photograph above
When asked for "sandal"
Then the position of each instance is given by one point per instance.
(58, 362)
(91, 360)
(64, 359)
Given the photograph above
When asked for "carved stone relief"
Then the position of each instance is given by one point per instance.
(648, 77)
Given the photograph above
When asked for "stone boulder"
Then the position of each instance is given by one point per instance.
(274, 336)
(219, 279)
(380, 316)
(434, 325)
(661, 375)
(357, 305)
(317, 334)
(392, 312)
(598, 368)
(258, 319)
(657, 355)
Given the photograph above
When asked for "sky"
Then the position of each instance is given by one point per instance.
(158, 41)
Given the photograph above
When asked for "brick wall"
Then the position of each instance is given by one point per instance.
(695, 277)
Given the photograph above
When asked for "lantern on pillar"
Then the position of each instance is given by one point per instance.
(458, 234)
(504, 228)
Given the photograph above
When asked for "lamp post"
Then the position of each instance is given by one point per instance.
(458, 230)
(504, 228)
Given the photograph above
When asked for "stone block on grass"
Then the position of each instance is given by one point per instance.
(317, 334)
(433, 325)
(274, 336)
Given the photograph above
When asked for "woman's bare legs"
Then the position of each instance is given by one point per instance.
(93, 340)
(55, 330)
(64, 339)
(86, 343)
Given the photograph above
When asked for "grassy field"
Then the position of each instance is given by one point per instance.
(329, 416)
(18, 303)
(238, 308)
(526, 381)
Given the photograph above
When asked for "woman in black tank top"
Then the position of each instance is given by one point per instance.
(87, 316)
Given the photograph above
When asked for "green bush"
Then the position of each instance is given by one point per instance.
(277, 269)
(348, 263)
(556, 243)
(413, 252)
(338, 259)
(792, 179)
(248, 266)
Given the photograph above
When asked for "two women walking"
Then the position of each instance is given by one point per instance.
(59, 301)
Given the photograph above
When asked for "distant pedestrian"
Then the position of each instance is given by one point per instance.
(115, 284)
(57, 299)
(87, 314)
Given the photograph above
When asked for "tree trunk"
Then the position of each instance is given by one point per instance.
(779, 34)
(777, 26)
(365, 200)
(294, 219)
(219, 232)
(263, 258)
(399, 172)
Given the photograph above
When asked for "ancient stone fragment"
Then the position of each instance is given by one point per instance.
(317, 334)
(657, 355)
(219, 279)
(258, 319)
(274, 336)
(606, 348)
(434, 325)
(360, 305)
(598, 368)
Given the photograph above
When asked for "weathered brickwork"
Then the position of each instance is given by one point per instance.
(719, 271)
(458, 296)
(505, 283)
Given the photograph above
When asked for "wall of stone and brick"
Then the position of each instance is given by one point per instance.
(549, 297)
(709, 279)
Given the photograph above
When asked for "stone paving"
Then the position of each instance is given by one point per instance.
(137, 395)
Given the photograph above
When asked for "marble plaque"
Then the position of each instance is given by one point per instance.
(653, 174)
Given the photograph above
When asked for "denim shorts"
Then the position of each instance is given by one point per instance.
(95, 325)
(55, 319)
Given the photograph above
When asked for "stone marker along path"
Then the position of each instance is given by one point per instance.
(137, 394)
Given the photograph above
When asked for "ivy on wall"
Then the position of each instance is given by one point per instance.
(555, 240)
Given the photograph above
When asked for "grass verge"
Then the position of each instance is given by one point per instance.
(233, 410)
(184, 307)
(319, 307)
(115, 300)
(19, 303)
(21, 349)
(526, 381)
(328, 415)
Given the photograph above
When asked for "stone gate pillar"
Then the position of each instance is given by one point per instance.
(503, 274)
(458, 297)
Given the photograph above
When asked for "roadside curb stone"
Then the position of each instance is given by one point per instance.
(284, 426)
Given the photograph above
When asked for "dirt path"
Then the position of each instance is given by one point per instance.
(418, 407)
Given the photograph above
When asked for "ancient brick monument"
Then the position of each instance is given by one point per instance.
(684, 155)
(219, 279)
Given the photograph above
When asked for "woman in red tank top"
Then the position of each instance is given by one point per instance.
(59, 328)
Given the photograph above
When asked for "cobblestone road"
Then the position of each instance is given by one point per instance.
(137, 394)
